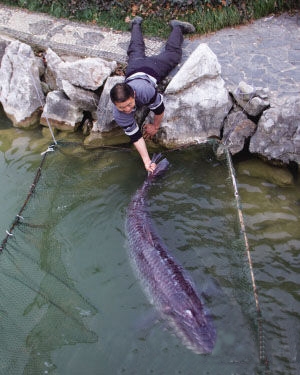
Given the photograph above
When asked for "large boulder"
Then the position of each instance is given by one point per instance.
(105, 130)
(88, 73)
(278, 132)
(85, 99)
(61, 113)
(105, 121)
(21, 92)
(196, 100)
(237, 129)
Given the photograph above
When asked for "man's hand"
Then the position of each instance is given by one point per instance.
(149, 131)
(150, 167)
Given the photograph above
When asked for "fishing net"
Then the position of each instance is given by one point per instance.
(68, 298)
(35, 286)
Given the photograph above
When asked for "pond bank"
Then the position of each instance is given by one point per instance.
(247, 53)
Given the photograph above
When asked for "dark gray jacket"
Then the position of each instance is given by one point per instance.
(146, 93)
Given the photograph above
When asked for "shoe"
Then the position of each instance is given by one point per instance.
(136, 20)
(186, 27)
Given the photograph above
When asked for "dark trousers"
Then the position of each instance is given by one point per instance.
(159, 66)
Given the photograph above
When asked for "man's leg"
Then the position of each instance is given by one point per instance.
(136, 48)
(173, 49)
(171, 56)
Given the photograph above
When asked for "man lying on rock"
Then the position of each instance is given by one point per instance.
(139, 89)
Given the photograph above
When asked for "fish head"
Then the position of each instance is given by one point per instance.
(193, 325)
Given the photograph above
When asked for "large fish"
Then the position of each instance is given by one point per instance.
(165, 282)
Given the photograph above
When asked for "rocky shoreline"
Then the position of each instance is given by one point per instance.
(72, 94)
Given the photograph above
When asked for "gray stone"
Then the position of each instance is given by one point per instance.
(237, 129)
(249, 99)
(61, 112)
(51, 75)
(3, 45)
(41, 66)
(85, 99)
(244, 92)
(105, 121)
(262, 92)
(201, 65)
(278, 132)
(88, 73)
(21, 92)
(196, 101)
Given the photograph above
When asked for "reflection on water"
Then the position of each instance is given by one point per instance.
(82, 199)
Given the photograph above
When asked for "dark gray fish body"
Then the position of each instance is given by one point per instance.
(166, 284)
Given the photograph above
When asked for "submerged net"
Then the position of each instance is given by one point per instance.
(50, 303)
(35, 287)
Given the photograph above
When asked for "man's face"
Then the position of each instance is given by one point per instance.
(127, 106)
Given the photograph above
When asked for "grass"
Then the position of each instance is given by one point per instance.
(205, 21)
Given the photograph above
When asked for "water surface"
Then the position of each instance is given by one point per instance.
(71, 302)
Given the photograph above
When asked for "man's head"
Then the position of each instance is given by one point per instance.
(123, 97)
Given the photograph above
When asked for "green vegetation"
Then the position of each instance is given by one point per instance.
(206, 15)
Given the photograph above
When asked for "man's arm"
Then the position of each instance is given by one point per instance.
(140, 145)
(127, 122)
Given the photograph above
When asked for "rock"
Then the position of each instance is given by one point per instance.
(21, 92)
(3, 45)
(89, 73)
(259, 169)
(105, 125)
(278, 132)
(87, 126)
(105, 121)
(251, 99)
(237, 129)
(61, 112)
(196, 101)
(41, 66)
(202, 64)
(51, 74)
(84, 99)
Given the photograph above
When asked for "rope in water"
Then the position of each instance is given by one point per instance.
(19, 217)
(42, 105)
(262, 355)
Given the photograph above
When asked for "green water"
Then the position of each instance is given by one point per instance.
(70, 303)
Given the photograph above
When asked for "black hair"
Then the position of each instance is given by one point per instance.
(121, 92)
